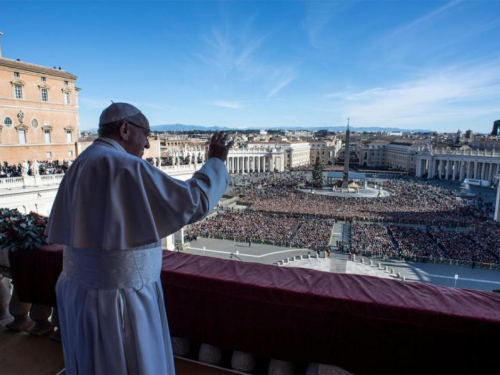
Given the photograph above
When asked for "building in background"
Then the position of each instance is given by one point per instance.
(38, 112)
(496, 128)
(326, 149)
(398, 155)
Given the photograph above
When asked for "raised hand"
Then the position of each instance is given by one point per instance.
(218, 147)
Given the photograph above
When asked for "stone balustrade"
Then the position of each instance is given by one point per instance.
(30, 181)
(445, 151)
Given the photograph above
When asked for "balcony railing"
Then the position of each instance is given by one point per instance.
(362, 324)
(30, 181)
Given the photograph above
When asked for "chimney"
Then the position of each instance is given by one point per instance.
(1, 45)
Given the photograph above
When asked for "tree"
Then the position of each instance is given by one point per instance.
(317, 175)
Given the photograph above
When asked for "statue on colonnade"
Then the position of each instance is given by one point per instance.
(35, 168)
(25, 168)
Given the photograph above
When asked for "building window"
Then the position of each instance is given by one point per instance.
(34, 123)
(43, 79)
(65, 83)
(16, 74)
(46, 134)
(69, 136)
(70, 153)
(45, 95)
(66, 98)
(18, 91)
(7, 122)
(22, 137)
(48, 154)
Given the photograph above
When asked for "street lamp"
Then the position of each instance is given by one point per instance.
(456, 278)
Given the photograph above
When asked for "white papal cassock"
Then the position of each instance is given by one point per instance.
(111, 211)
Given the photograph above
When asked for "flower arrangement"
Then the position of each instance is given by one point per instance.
(21, 232)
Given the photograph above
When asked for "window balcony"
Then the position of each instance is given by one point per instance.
(274, 315)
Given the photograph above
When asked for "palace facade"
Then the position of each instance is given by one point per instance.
(38, 112)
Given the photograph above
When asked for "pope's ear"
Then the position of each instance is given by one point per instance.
(124, 131)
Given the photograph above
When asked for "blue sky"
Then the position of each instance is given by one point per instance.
(409, 64)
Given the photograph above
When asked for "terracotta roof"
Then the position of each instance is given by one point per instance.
(9, 63)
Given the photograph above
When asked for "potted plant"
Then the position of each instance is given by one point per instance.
(20, 232)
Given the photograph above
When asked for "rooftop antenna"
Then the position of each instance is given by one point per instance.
(1, 45)
(348, 123)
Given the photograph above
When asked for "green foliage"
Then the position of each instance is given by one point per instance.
(22, 232)
(317, 174)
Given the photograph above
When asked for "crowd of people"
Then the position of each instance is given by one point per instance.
(45, 167)
(410, 202)
(371, 240)
(7, 170)
(418, 221)
(264, 228)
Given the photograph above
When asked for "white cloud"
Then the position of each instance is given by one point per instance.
(282, 83)
(426, 18)
(234, 53)
(319, 16)
(228, 104)
(456, 94)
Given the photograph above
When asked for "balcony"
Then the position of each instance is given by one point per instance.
(221, 311)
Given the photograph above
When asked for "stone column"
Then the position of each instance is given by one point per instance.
(19, 310)
(40, 315)
(56, 335)
(475, 169)
(5, 288)
(432, 166)
(462, 170)
(418, 172)
(496, 216)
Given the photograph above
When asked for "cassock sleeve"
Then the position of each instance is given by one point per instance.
(175, 203)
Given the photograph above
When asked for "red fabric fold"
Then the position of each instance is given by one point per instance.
(361, 323)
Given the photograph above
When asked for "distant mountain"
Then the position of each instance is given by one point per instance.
(181, 127)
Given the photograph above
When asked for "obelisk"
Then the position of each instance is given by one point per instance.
(345, 177)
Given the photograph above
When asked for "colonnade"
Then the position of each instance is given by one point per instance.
(247, 164)
(458, 169)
